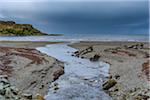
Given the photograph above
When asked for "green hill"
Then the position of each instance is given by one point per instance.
(10, 28)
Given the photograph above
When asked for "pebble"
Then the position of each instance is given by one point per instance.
(27, 95)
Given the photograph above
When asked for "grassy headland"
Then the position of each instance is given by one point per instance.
(10, 28)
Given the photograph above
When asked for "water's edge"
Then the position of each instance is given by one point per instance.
(82, 79)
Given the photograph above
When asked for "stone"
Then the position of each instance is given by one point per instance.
(95, 58)
(8, 93)
(56, 88)
(2, 90)
(39, 97)
(14, 90)
(27, 95)
(5, 81)
(109, 84)
(142, 97)
(117, 76)
(58, 73)
(4, 76)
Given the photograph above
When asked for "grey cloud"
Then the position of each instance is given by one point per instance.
(84, 17)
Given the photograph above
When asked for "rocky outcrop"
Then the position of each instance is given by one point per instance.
(29, 70)
(83, 52)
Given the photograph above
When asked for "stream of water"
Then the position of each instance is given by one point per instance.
(82, 79)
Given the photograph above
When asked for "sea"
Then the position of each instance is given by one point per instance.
(81, 37)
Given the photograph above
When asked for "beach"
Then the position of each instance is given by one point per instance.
(129, 67)
(67, 71)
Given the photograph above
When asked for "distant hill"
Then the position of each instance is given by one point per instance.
(10, 28)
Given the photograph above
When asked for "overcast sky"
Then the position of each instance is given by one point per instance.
(80, 16)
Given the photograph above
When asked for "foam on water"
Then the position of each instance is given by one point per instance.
(82, 79)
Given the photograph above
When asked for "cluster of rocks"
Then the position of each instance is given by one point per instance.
(83, 52)
(113, 87)
(9, 92)
(120, 51)
(95, 57)
(135, 46)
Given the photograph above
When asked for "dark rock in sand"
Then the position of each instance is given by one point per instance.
(95, 58)
(109, 84)
(117, 76)
(142, 97)
(83, 52)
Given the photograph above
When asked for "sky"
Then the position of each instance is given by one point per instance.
(80, 16)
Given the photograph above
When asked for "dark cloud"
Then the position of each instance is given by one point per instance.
(81, 17)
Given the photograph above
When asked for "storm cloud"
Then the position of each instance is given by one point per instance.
(109, 16)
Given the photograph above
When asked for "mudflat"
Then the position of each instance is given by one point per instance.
(129, 67)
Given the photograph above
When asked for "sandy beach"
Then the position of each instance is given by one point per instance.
(32, 72)
(129, 67)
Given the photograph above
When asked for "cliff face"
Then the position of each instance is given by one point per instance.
(10, 28)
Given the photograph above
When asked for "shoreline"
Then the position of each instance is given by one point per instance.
(115, 60)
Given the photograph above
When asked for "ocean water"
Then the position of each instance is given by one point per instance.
(82, 37)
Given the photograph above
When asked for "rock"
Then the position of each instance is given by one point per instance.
(109, 84)
(14, 90)
(83, 52)
(58, 73)
(142, 97)
(40, 97)
(27, 95)
(4, 76)
(141, 46)
(8, 93)
(117, 76)
(3, 79)
(56, 88)
(95, 58)
(2, 90)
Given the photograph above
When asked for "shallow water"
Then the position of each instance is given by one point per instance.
(82, 79)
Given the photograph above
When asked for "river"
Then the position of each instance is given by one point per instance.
(82, 79)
